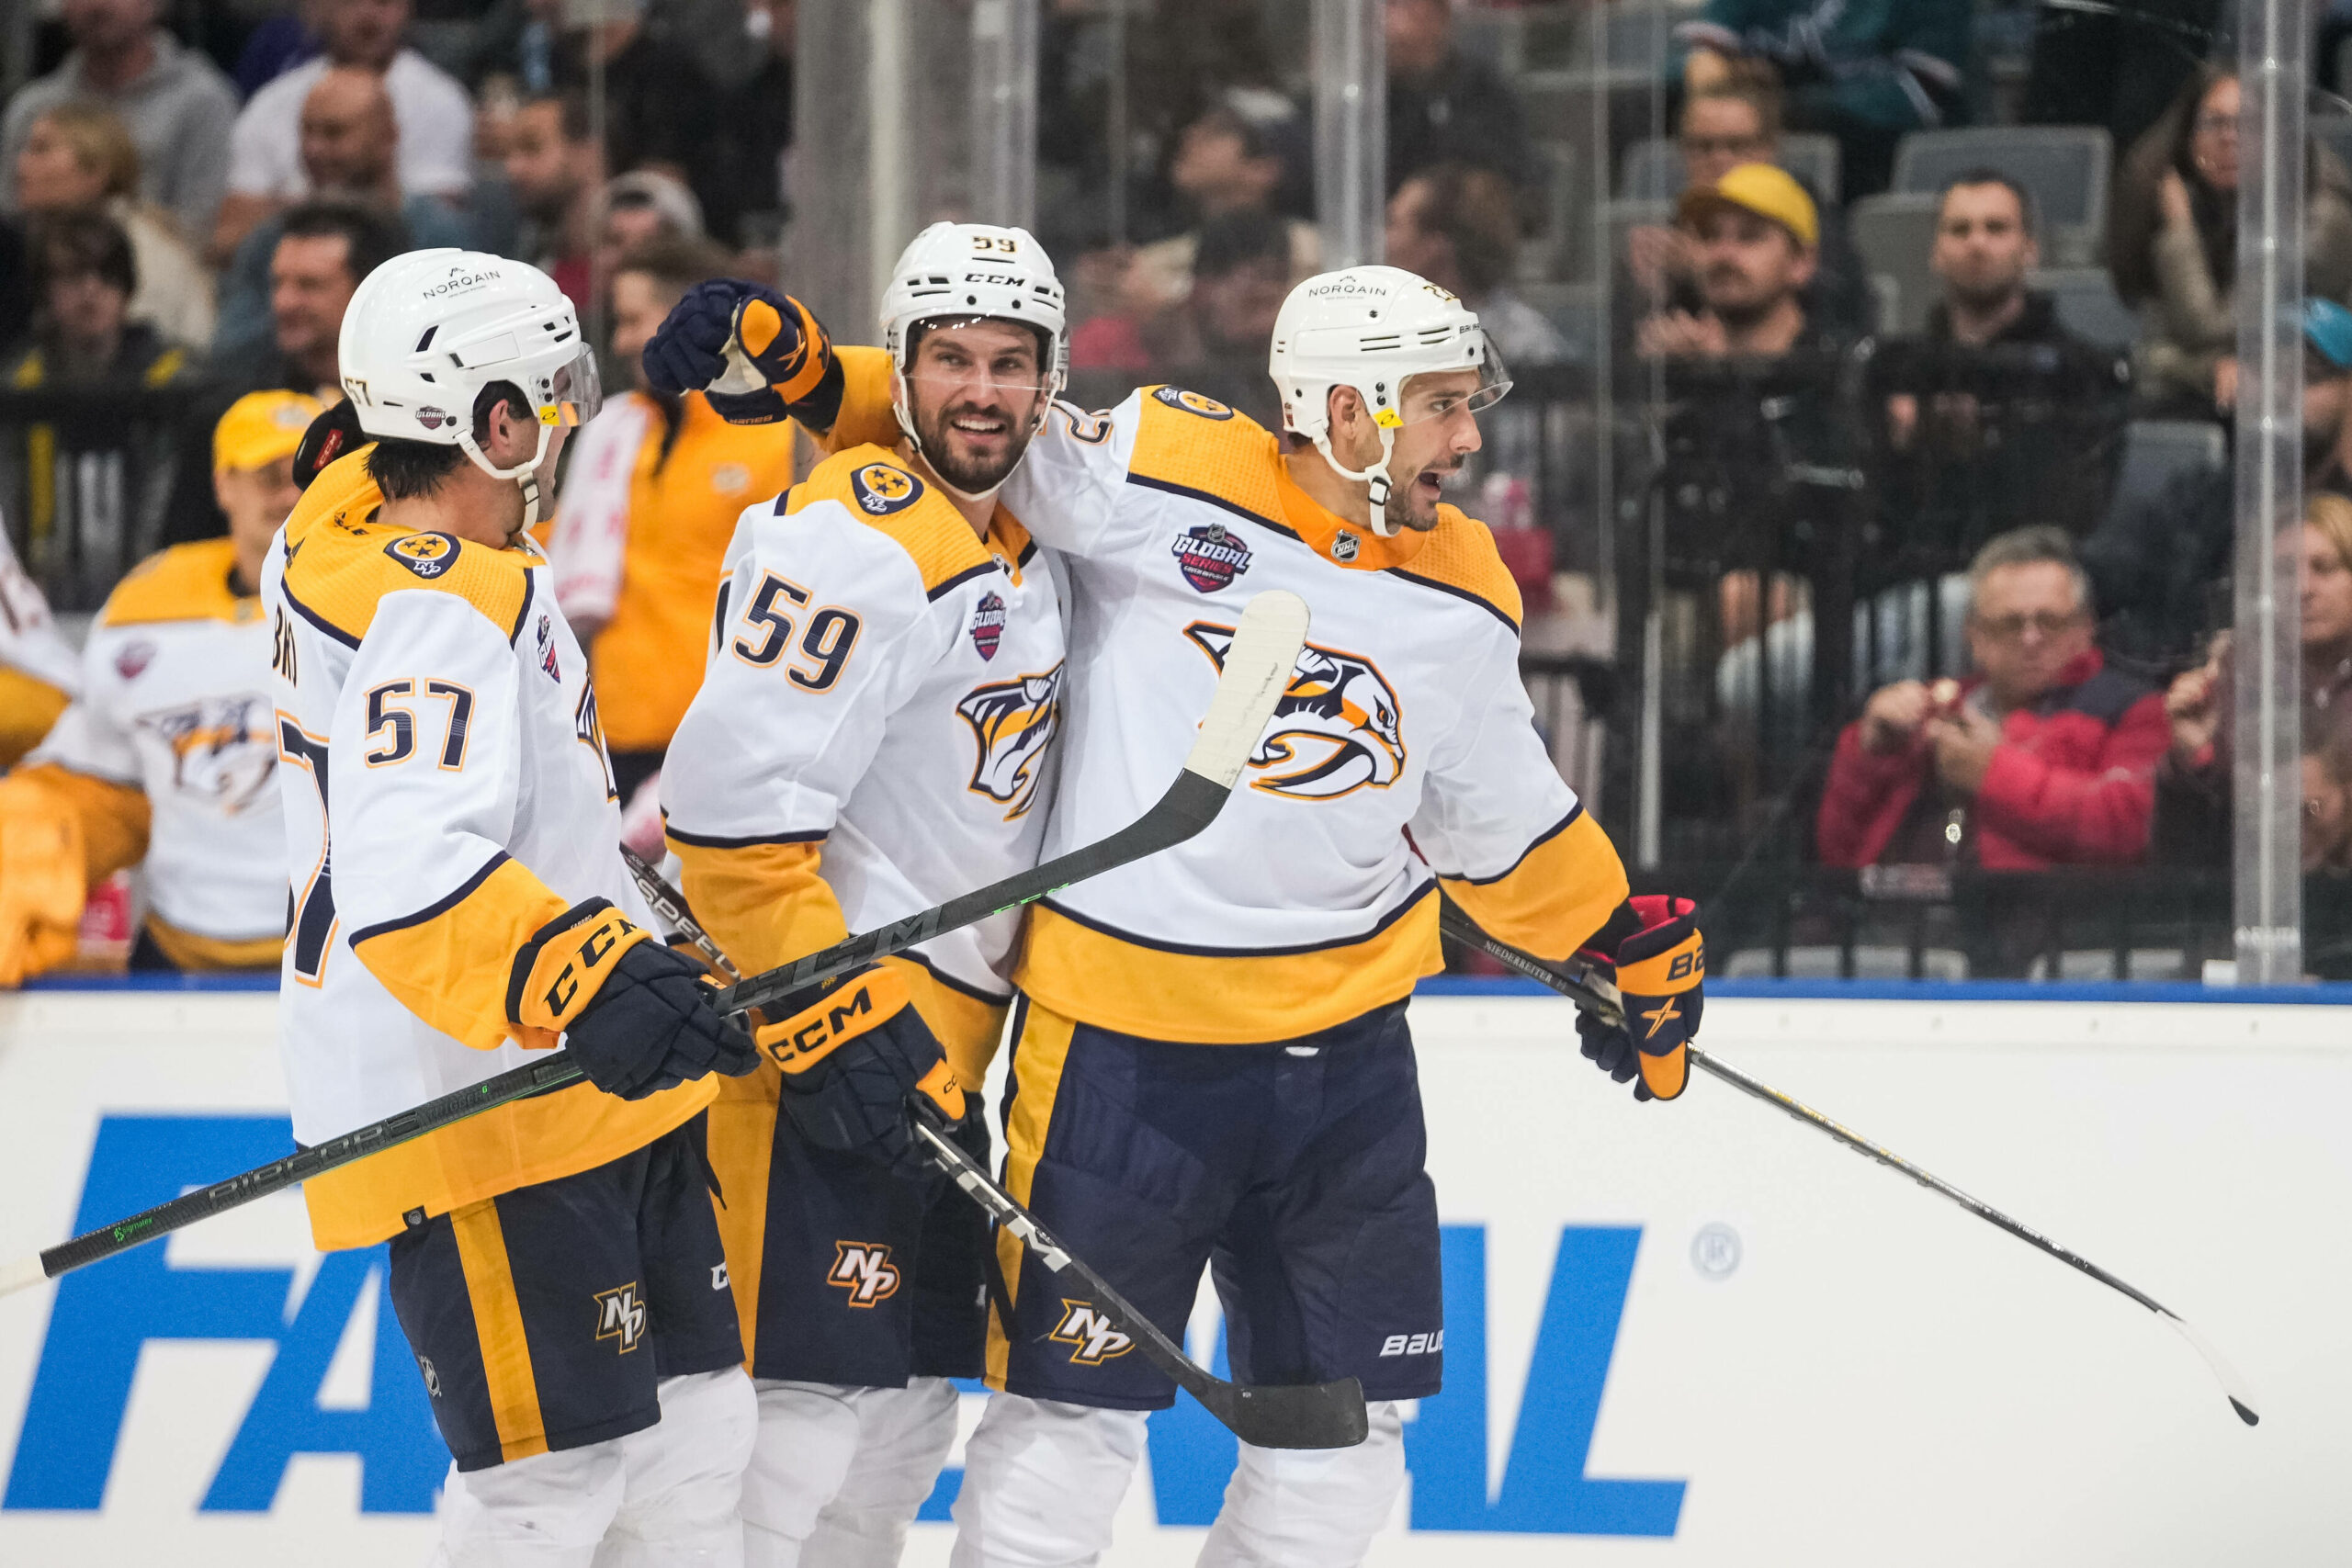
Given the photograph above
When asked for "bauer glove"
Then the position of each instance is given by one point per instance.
(759, 356)
(41, 880)
(1652, 947)
(636, 1017)
(853, 1052)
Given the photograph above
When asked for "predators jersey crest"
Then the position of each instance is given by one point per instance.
(882, 490)
(1338, 728)
(1013, 725)
(222, 749)
(427, 555)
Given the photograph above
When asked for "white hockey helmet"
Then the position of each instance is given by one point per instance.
(1368, 328)
(967, 272)
(426, 332)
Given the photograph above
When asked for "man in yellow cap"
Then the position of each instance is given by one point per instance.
(1757, 238)
(168, 757)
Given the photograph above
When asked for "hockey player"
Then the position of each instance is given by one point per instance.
(458, 900)
(167, 756)
(874, 736)
(1211, 1064)
(39, 674)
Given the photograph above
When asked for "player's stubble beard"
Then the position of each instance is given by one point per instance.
(936, 432)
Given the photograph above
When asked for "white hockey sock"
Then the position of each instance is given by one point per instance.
(839, 1472)
(1310, 1507)
(550, 1510)
(1040, 1483)
(685, 1477)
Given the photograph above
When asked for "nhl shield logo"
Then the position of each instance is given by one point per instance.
(427, 555)
(1345, 547)
(1210, 557)
(882, 490)
(987, 625)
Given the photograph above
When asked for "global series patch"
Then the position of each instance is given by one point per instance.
(1209, 557)
(987, 625)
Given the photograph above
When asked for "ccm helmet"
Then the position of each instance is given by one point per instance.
(1368, 328)
(970, 271)
(426, 332)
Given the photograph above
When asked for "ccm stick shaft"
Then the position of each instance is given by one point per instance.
(1600, 997)
(1282, 1415)
(1257, 669)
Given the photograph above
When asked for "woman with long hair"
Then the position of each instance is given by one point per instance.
(79, 157)
(2172, 244)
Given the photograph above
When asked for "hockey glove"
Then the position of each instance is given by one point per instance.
(759, 356)
(853, 1052)
(40, 881)
(1653, 949)
(636, 1017)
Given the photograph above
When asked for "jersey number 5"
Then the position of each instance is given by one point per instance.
(826, 645)
(392, 727)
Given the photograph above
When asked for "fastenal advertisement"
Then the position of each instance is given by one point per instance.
(1696, 1331)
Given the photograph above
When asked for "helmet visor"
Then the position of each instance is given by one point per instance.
(1020, 362)
(578, 392)
(1440, 394)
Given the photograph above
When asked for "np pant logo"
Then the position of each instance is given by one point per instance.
(620, 1315)
(1090, 1335)
(862, 1269)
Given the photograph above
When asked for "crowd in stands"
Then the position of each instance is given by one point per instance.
(1922, 606)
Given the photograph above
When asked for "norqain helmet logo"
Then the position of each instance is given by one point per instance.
(460, 279)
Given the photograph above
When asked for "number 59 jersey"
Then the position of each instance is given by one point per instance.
(446, 792)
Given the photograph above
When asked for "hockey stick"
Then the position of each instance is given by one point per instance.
(1600, 997)
(1277, 1416)
(1257, 669)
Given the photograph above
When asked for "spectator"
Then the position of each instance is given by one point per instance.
(1862, 72)
(434, 117)
(649, 501)
(1453, 224)
(640, 208)
(1754, 240)
(1444, 108)
(555, 168)
(661, 111)
(2044, 758)
(79, 155)
(176, 103)
(2117, 67)
(1215, 341)
(1999, 417)
(1738, 121)
(1241, 157)
(325, 249)
(2172, 244)
(282, 40)
(2160, 566)
(759, 122)
(93, 481)
(350, 153)
(516, 43)
(2193, 787)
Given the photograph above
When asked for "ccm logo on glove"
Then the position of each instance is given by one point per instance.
(565, 963)
(860, 1004)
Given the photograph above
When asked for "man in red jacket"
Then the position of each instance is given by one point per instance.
(2044, 758)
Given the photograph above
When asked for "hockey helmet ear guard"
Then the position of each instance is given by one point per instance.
(1372, 329)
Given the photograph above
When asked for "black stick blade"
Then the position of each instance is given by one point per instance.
(1292, 1416)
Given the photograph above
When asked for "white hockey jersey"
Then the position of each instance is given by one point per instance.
(176, 708)
(39, 673)
(1403, 753)
(875, 730)
(446, 792)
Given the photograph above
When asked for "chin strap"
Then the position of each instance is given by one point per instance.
(1376, 476)
(525, 475)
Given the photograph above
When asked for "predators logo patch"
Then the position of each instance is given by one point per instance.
(1092, 1339)
(427, 555)
(1192, 402)
(1338, 728)
(223, 751)
(1013, 724)
(882, 490)
(864, 1270)
(620, 1315)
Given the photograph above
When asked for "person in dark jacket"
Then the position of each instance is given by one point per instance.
(1444, 108)
(2044, 758)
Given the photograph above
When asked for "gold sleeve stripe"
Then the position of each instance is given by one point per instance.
(922, 521)
(28, 710)
(967, 1024)
(449, 963)
(1563, 889)
(1232, 462)
(765, 904)
(195, 952)
(338, 571)
(866, 418)
(717, 841)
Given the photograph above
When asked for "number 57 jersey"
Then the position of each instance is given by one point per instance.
(446, 793)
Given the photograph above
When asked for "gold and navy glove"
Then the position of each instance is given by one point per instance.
(636, 1017)
(759, 357)
(1652, 947)
(853, 1053)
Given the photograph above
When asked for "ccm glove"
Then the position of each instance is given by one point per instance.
(637, 1016)
(759, 356)
(1653, 949)
(853, 1052)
